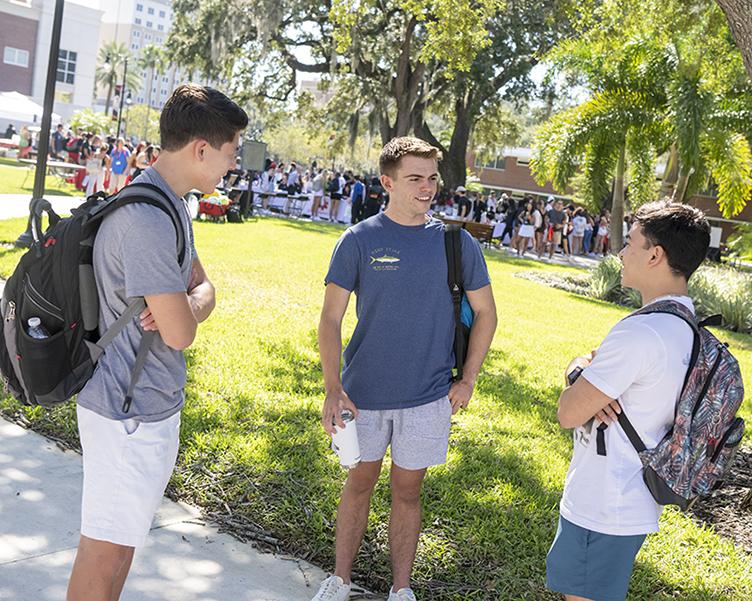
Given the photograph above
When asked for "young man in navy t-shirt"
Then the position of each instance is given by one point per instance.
(397, 367)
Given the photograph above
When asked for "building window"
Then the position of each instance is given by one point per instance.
(160, 27)
(138, 21)
(161, 14)
(147, 36)
(496, 163)
(66, 66)
(149, 24)
(139, 8)
(140, 99)
(523, 162)
(159, 40)
(16, 57)
(151, 10)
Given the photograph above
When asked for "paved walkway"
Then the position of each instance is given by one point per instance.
(185, 558)
(17, 205)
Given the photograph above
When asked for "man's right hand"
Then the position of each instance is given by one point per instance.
(336, 401)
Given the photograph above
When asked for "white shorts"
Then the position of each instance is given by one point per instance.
(127, 465)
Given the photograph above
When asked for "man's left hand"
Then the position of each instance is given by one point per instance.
(459, 395)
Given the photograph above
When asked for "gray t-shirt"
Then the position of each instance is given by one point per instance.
(136, 254)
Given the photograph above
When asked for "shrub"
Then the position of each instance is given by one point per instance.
(725, 291)
(605, 281)
(713, 289)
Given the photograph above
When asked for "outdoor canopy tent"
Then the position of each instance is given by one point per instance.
(22, 110)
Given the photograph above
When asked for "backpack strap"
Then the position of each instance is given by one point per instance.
(144, 193)
(672, 308)
(453, 248)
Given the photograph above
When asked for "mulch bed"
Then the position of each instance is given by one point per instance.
(729, 510)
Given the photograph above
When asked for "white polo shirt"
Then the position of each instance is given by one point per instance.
(642, 362)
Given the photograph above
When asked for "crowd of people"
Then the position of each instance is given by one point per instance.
(529, 224)
(534, 224)
(110, 162)
(331, 190)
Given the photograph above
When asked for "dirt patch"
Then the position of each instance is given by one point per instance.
(726, 510)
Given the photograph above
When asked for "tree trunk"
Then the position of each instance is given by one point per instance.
(681, 186)
(670, 174)
(739, 16)
(617, 210)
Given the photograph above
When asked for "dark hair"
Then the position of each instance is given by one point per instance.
(194, 112)
(396, 148)
(681, 230)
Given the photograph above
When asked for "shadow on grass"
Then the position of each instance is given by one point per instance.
(265, 469)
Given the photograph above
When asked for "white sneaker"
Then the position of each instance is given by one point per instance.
(333, 589)
(404, 594)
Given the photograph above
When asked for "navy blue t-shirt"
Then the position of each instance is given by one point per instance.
(400, 354)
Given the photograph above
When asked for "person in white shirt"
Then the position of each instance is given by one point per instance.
(579, 222)
(606, 510)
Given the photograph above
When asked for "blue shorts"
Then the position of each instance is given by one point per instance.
(590, 564)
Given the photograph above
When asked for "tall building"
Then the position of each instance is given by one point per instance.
(139, 23)
(25, 35)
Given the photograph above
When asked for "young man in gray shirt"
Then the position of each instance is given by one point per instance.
(129, 452)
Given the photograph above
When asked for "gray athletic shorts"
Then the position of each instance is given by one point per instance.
(419, 435)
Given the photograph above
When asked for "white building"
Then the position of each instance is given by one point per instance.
(139, 23)
(25, 36)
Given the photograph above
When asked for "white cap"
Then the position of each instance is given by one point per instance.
(461, 189)
(34, 322)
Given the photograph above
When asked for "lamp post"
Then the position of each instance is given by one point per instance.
(25, 240)
(122, 97)
(128, 102)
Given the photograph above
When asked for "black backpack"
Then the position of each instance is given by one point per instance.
(463, 313)
(54, 280)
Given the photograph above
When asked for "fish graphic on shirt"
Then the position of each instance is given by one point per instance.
(385, 259)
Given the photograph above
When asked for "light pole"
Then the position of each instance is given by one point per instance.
(25, 240)
(122, 96)
(128, 102)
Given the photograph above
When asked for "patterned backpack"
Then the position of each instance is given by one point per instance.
(691, 460)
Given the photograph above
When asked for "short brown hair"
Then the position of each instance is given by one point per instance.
(194, 112)
(681, 230)
(396, 148)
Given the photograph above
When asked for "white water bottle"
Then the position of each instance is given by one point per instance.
(36, 329)
(345, 441)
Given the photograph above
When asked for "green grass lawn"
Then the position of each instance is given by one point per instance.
(252, 445)
(12, 175)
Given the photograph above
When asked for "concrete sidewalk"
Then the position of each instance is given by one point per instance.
(185, 559)
(17, 205)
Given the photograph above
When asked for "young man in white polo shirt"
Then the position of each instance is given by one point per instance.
(606, 509)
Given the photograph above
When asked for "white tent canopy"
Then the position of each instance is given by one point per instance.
(20, 109)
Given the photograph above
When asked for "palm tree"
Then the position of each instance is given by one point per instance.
(709, 129)
(616, 133)
(109, 73)
(152, 60)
